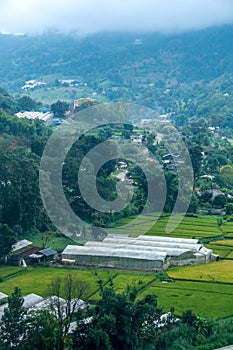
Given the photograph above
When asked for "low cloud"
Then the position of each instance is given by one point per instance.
(90, 16)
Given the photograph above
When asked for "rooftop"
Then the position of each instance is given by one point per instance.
(124, 252)
(3, 296)
(142, 247)
(48, 252)
(21, 244)
(31, 300)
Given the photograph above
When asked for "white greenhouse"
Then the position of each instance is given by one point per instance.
(141, 253)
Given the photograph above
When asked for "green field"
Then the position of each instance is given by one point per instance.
(225, 243)
(50, 94)
(36, 280)
(9, 271)
(54, 240)
(230, 256)
(221, 271)
(227, 227)
(190, 227)
(207, 289)
(222, 251)
(205, 298)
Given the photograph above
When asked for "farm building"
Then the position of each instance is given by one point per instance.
(141, 253)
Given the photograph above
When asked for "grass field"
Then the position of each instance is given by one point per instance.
(205, 298)
(225, 243)
(221, 271)
(190, 227)
(9, 271)
(36, 280)
(54, 240)
(230, 256)
(227, 227)
(222, 251)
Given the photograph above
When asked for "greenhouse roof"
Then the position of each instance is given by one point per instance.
(123, 252)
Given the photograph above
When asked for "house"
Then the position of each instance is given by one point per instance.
(18, 259)
(78, 102)
(57, 121)
(21, 244)
(15, 260)
(48, 253)
(137, 139)
(169, 157)
(121, 165)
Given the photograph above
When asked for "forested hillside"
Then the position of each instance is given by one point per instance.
(188, 74)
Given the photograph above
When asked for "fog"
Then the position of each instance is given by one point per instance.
(90, 16)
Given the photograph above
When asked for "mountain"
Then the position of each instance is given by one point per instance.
(180, 73)
(186, 57)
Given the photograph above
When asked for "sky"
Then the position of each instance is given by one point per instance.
(91, 16)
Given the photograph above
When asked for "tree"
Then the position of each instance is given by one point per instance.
(27, 104)
(42, 331)
(13, 323)
(59, 107)
(226, 172)
(195, 152)
(7, 239)
(119, 322)
(219, 201)
(229, 208)
(72, 290)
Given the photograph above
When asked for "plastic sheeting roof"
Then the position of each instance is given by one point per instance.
(46, 303)
(3, 295)
(114, 252)
(169, 239)
(142, 247)
(164, 244)
(31, 300)
(135, 247)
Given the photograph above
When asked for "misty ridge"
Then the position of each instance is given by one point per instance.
(121, 57)
(91, 16)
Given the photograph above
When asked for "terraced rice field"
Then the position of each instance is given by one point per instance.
(190, 227)
(206, 289)
(206, 298)
(221, 271)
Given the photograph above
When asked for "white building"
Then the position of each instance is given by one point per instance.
(35, 115)
(141, 253)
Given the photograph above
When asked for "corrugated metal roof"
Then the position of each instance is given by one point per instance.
(46, 303)
(48, 252)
